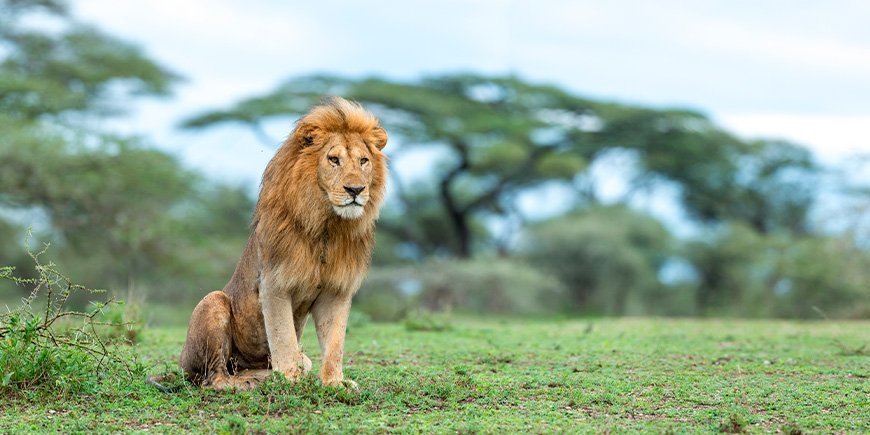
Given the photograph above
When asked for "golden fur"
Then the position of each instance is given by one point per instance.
(309, 250)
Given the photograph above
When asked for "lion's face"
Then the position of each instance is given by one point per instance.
(335, 149)
(345, 171)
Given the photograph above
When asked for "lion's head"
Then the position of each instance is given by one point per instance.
(346, 142)
(335, 148)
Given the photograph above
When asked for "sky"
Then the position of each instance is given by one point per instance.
(796, 70)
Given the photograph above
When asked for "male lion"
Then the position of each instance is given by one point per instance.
(309, 250)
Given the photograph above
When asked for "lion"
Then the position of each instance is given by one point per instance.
(309, 250)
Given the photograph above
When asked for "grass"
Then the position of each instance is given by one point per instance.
(651, 375)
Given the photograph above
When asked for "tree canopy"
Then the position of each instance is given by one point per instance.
(116, 210)
(503, 136)
(71, 69)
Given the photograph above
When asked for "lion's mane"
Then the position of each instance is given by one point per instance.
(291, 215)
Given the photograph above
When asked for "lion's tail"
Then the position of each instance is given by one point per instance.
(158, 380)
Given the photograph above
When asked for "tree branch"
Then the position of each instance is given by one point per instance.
(493, 193)
(458, 216)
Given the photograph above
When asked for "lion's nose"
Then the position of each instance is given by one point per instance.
(353, 190)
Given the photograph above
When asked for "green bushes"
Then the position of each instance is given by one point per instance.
(744, 273)
(46, 347)
(423, 320)
(611, 261)
(496, 285)
(607, 258)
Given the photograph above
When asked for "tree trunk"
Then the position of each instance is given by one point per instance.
(458, 216)
(458, 219)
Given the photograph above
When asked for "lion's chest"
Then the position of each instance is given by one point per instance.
(331, 263)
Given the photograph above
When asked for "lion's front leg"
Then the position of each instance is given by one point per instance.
(330, 313)
(286, 355)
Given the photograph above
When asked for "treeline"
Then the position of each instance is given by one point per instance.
(463, 234)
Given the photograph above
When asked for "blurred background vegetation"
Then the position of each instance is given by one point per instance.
(461, 231)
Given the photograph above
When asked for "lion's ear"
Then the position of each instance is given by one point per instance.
(378, 138)
(305, 134)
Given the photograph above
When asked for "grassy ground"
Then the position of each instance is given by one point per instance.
(516, 376)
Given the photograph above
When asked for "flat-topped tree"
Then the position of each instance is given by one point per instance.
(99, 193)
(492, 129)
(76, 69)
(501, 136)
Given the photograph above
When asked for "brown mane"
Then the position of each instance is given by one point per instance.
(290, 212)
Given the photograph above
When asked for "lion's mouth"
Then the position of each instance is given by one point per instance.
(350, 210)
(353, 202)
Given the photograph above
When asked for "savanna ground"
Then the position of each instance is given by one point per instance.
(505, 375)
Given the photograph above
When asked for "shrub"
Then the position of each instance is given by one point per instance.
(422, 320)
(608, 258)
(45, 347)
(381, 296)
(494, 285)
(122, 322)
(742, 272)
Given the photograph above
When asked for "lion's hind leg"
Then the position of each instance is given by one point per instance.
(247, 379)
(207, 348)
(244, 380)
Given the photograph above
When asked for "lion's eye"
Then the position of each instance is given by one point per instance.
(363, 161)
(334, 160)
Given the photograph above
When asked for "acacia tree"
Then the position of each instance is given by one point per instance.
(114, 207)
(76, 70)
(769, 184)
(53, 83)
(503, 136)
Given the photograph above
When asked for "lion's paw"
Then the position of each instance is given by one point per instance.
(350, 385)
(294, 374)
(296, 371)
(343, 383)
(306, 364)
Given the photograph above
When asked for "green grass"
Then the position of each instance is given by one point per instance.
(510, 376)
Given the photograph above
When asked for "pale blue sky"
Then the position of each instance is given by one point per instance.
(799, 70)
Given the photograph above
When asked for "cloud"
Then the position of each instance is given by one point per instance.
(833, 138)
(239, 47)
(767, 45)
(762, 69)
